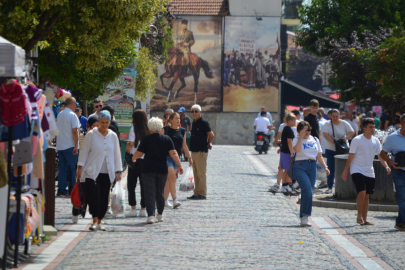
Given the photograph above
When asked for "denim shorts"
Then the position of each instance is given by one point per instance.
(171, 163)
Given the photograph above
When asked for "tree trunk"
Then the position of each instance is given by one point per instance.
(85, 108)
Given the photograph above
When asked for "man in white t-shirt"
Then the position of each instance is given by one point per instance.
(262, 124)
(361, 157)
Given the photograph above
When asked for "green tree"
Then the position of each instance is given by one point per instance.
(325, 20)
(93, 28)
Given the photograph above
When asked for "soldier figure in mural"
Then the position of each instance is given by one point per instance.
(183, 63)
(251, 72)
(238, 65)
(227, 69)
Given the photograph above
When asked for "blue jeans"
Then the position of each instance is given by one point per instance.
(330, 155)
(67, 161)
(398, 176)
(305, 174)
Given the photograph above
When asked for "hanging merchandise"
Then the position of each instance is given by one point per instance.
(34, 94)
(12, 102)
(3, 170)
(23, 153)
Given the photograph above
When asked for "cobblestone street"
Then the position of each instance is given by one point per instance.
(240, 226)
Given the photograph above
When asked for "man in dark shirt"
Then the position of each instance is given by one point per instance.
(185, 122)
(312, 118)
(200, 142)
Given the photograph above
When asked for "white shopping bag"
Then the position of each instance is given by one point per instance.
(187, 181)
(320, 171)
(118, 199)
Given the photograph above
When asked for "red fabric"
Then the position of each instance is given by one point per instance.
(12, 103)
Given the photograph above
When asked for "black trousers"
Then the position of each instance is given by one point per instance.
(133, 175)
(154, 185)
(97, 193)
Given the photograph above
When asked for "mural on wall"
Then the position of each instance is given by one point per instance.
(307, 69)
(192, 72)
(251, 62)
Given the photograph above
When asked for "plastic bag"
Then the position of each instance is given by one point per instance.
(118, 199)
(187, 182)
(320, 171)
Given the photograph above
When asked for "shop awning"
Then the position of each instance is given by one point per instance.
(297, 95)
(12, 59)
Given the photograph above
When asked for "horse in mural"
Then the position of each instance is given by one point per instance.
(178, 69)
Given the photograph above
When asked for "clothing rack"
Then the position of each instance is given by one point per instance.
(10, 175)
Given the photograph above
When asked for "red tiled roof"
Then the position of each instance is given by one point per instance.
(200, 7)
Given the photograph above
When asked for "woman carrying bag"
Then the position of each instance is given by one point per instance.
(308, 150)
(178, 136)
(333, 131)
(99, 164)
(138, 131)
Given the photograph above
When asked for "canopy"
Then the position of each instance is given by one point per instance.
(12, 59)
(297, 95)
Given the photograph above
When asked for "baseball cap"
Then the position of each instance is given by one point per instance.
(182, 109)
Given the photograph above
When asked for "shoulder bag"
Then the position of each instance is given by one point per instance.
(341, 146)
(290, 168)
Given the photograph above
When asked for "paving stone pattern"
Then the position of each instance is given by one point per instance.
(239, 226)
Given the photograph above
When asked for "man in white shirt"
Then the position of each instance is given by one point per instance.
(270, 132)
(361, 157)
(97, 105)
(349, 119)
(67, 144)
(262, 124)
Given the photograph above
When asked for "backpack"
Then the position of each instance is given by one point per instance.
(78, 199)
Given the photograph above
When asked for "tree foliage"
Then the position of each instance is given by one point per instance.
(146, 77)
(94, 29)
(324, 20)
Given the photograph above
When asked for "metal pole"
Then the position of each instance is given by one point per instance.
(17, 231)
(9, 153)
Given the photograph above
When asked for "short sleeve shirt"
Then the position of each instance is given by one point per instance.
(341, 130)
(177, 136)
(131, 138)
(199, 136)
(261, 124)
(309, 149)
(67, 120)
(395, 143)
(155, 147)
(313, 121)
(288, 133)
(186, 122)
(364, 150)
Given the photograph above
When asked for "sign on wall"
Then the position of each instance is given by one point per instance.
(251, 62)
(192, 74)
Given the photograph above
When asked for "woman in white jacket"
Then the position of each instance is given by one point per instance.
(99, 164)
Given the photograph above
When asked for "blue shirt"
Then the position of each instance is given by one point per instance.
(83, 123)
(395, 143)
(268, 116)
(66, 121)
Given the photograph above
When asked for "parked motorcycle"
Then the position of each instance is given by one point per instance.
(262, 143)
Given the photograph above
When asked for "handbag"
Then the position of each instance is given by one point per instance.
(128, 159)
(400, 159)
(290, 168)
(340, 145)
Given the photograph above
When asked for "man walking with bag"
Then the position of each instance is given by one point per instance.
(360, 161)
(395, 144)
(200, 141)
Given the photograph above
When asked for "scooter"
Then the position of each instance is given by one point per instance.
(262, 143)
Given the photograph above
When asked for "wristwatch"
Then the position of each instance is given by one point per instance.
(325, 167)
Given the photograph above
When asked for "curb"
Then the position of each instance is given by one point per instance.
(353, 206)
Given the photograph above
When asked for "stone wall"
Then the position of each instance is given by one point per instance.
(230, 128)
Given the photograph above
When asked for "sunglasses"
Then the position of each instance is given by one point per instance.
(195, 111)
(308, 130)
(98, 106)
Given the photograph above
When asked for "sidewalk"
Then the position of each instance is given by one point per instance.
(239, 226)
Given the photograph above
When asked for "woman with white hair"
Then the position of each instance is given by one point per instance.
(99, 164)
(155, 147)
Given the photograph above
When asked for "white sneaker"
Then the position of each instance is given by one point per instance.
(283, 189)
(131, 213)
(142, 213)
(168, 204)
(93, 227)
(288, 188)
(304, 222)
(176, 204)
(101, 227)
(159, 218)
(109, 213)
(150, 220)
(75, 219)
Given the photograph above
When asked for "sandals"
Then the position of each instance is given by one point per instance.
(366, 223)
(359, 221)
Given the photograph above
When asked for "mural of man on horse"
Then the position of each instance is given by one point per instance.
(183, 63)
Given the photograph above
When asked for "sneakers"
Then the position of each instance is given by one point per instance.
(93, 227)
(159, 218)
(288, 188)
(142, 213)
(323, 185)
(101, 227)
(62, 194)
(201, 197)
(192, 197)
(109, 213)
(176, 204)
(131, 213)
(75, 219)
(400, 227)
(304, 222)
(168, 204)
(150, 220)
(274, 188)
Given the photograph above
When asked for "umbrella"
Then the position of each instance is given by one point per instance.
(12, 59)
